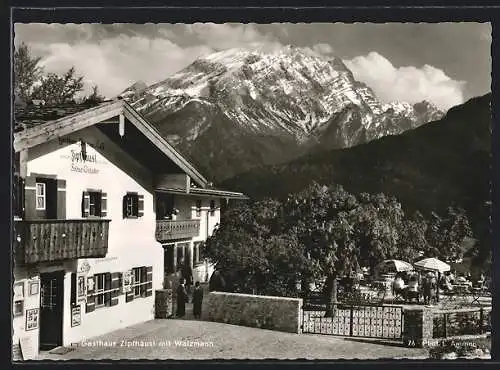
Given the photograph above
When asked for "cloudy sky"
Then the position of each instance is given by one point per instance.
(445, 63)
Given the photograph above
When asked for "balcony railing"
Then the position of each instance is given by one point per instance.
(170, 229)
(56, 240)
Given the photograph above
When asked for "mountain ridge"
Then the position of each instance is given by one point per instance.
(276, 105)
(441, 164)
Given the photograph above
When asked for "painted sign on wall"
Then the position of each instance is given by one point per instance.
(32, 316)
(82, 161)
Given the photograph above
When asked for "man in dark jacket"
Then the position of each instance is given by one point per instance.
(187, 274)
(182, 299)
(197, 300)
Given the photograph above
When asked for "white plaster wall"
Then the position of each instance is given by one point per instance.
(132, 242)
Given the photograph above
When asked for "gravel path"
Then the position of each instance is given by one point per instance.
(189, 339)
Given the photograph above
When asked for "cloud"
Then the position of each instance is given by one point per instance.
(114, 56)
(228, 35)
(323, 49)
(116, 63)
(407, 83)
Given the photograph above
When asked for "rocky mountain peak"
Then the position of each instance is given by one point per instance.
(292, 97)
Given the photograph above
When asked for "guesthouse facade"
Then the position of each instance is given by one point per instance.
(103, 205)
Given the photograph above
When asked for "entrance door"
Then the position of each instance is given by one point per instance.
(51, 309)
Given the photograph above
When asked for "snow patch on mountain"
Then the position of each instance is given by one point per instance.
(288, 92)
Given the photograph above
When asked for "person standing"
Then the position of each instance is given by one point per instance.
(186, 273)
(182, 299)
(197, 300)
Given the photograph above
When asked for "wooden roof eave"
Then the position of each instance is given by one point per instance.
(154, 136)
(51, 130)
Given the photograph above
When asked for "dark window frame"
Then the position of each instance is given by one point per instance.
(213, 207)
(198, 207)
(95, 196)
(139, 285)
(131, 208)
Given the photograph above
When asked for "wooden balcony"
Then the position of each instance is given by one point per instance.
(181, 229)
(55, 240)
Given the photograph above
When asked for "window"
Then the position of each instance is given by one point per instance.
(131, 205)
(198, 208)
(40, 196)
(212, 207)
(197, 253)
(169, 258)
(100, 289)
(95, 204)
(165, 206)
(140, 281)
(182, 254)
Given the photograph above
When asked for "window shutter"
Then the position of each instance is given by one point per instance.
(18, 196)
(73, 289)
(115, 285)
(30, 198)
(85, 204)
(107, 286)
(104, 205)
(129, 296)
(90, 305)
(124, 206)
(149, 279)
(140, 207)
(61, 199)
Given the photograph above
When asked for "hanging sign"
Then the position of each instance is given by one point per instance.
(34, 287)
(81, 289)
(128, 280)
(18, 291)
(32, 319)
(84, 267)
(76, 316)
(90, 285)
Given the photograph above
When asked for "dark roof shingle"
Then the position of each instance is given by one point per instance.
(26, 116)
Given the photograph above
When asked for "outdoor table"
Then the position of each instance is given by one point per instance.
(476, 294)
(462, 290)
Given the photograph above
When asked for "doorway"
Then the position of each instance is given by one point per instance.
(51, 309)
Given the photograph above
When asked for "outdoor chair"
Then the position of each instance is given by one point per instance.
(412, 295)
(399, 294)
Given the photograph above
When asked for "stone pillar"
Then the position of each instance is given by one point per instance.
(418, 327)
(164, 304)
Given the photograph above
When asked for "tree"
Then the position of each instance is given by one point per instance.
(26, 72)
(94, 97)
(252, 251)
(323, 219)
(413, 236)
(379, 224)
(55, 89)
(446, 234)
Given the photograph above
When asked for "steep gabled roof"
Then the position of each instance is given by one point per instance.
(54, 122)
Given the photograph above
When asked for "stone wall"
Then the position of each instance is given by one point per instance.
(274, 313)
(453, 323)
(418, 327)
(424, 327)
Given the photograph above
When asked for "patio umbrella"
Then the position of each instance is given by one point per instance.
(395, 266)
(432, 264)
